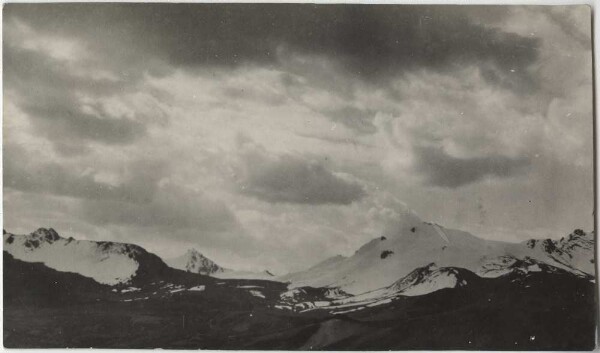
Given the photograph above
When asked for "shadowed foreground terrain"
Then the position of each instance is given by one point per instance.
(51, 309)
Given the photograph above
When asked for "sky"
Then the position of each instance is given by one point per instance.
(275, 136)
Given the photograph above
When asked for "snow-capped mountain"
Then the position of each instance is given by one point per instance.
(384, 260)
(420, 282)
(195, 262)
(379, 264)
(106, 262)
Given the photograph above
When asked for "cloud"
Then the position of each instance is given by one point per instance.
(574, 21)
(48, 93)
(441, 169)
(63, 117)
(360, 120)
(171, 207)
(138, 185)
(293, 179)
(68, 97)
(371, 42)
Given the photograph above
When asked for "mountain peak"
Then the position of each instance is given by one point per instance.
(194, 261)
(193, 253)
(49, 234)
(580, 235)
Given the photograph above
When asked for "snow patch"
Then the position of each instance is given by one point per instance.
(130, 289)
(197, 289)
(257, 293)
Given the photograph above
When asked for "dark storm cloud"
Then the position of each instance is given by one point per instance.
(47, 91)
(134, 41)
(137, 201)
(441, 169)
(55, 179)
(35, 72)
(171, 208)
(295, 180)
(372, 42)
(63, 118)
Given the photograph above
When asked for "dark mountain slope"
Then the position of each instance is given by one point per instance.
(34, 284)
(515, 312)
(537, 310)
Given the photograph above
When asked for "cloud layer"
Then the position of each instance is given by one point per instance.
(294, 129)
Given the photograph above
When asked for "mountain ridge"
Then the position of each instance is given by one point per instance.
(106, 262)
(383, 260)
(367, 270)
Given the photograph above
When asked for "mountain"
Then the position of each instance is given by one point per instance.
(195, 262)
(535, 310)
(384, 260)
(105, 262)
(529, 295)
(421, 281)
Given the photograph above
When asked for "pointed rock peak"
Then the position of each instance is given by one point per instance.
(194, 261)
(49, 234)
(194, 254)
(194, 251)
(579, 234)
(431, 266)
